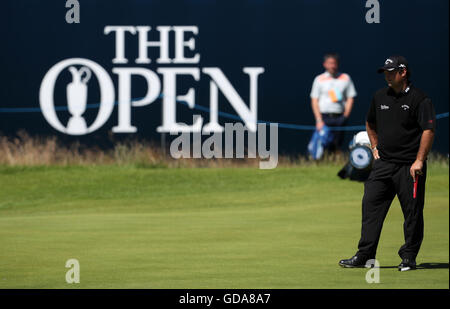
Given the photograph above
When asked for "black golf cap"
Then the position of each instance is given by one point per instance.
(394, 63)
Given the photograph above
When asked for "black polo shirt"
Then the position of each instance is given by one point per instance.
(400, 120)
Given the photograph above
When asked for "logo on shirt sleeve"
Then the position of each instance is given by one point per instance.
(384, 107)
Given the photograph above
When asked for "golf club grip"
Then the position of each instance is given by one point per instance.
(416, 178)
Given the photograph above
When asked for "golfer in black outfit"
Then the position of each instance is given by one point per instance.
(400, 124)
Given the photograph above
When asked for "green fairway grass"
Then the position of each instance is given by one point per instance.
(135, 227)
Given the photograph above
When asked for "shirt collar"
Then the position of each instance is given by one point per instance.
(327, 74)
(403, 93)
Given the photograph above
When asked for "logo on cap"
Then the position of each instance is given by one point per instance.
(388, 61)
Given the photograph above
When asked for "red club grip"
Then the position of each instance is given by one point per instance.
(416, 178)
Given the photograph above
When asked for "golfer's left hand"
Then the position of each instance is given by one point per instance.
(416, 168)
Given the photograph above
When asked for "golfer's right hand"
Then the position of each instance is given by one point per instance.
(319, 125)
(376, 156)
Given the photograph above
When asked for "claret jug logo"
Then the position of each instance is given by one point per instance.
(77, 92)
(76, 100)
(83, 71)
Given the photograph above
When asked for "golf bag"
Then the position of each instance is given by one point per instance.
(360, 162)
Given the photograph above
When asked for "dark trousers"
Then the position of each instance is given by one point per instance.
(335, 120)
(385, 181)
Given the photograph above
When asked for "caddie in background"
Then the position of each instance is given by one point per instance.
(332, 97)
(400, 124)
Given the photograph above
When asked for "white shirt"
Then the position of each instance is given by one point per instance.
(332, 92)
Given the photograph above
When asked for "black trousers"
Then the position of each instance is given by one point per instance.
(385, 181)
(335, 120)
